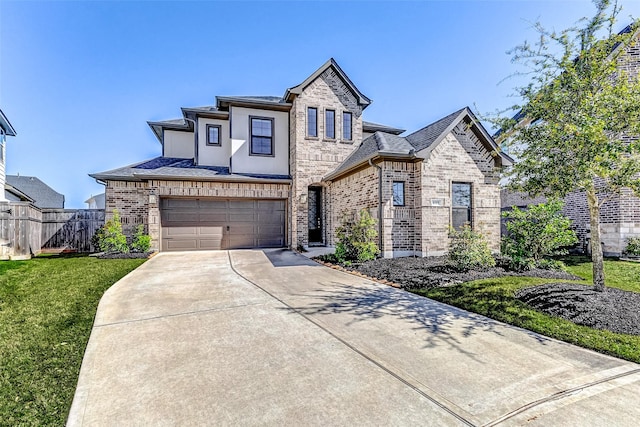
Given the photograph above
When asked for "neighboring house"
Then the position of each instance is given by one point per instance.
(619, 216)
(37, 192)
(280, 171)
(5, 130)
(96, 202)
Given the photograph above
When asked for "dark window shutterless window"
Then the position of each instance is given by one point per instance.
(261, 136)
(460, 204)
(346, 126)
(398, 193)
(312, 121)
(213, 134)
(330, 124)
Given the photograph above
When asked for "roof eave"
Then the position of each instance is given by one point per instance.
(297, 90)
(226, 101)
(378, 155)
(7, 128)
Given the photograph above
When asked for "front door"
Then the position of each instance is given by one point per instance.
(315, 215)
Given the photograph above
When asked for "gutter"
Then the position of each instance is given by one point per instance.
(380, 206)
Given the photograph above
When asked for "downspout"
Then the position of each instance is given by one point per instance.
(380, 205)
(195, 137)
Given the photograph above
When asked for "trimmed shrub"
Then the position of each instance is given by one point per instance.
(469, 250)
(109, 237)
(141, 242)
(356, 237)
(633, 246)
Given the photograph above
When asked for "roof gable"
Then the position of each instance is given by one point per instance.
(43, 195)
(331, 63)
(5, 125)
(421, 142)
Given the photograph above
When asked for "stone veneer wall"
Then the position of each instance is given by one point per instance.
(311, 158)
(139, 202)
(456, 159)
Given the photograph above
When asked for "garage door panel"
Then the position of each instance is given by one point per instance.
(199, 224)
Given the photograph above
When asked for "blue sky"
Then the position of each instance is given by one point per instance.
(80, 79)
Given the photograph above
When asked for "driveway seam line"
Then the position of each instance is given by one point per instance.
(558, 396)
(355, 349)
(186, 313)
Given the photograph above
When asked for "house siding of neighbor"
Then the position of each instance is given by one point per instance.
(266, 171)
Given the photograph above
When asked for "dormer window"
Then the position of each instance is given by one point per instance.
(213, 135)
(347, 129)
(312, 121)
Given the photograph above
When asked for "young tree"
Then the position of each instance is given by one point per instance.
(580, 113)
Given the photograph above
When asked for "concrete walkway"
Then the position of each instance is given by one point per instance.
(271, 338)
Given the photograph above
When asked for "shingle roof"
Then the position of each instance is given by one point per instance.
(386, 144)
(181, 169)
(43, 195)
(428, 135)
(379, 143)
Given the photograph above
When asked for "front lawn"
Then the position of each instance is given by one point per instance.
(47, 307)
(495, 298)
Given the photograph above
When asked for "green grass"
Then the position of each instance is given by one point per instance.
(47, 307)
(495, 298)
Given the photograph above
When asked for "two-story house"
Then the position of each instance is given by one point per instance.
(269, 171)
(5, 130)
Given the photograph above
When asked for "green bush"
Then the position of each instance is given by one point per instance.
(536, 233)
(356, 237)
(141, 242)
(109, 237)
(633, 246)
(469, 250)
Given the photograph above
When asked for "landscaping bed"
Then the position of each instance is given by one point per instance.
(614, 310)
(431, 272)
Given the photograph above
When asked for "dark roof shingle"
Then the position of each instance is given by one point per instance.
(43, 195)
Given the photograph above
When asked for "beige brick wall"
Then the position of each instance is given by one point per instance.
(139, 202)
(350, 194)
(453, 161)
(311, 158)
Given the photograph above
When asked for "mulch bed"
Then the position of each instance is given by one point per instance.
(431, 272)
(129, 255)
(614, 309)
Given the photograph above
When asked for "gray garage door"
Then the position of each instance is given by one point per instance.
(201, 224)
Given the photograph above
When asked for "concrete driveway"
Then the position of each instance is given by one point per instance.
(271, 338)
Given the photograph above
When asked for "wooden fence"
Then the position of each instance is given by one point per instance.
(70, 228)
(26, 230)
(20, 230)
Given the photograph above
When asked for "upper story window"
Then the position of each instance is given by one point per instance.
(330, 124)
(213, 135)
(347, 127)
(460, 204)
(312, 121)
(261, 136)
(398, 193)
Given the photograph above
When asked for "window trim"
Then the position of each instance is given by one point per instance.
(273, 136)
(309, 135)
(327, 137)
(214, 144)
(469, 208)
(350, 114)
(393, 193)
